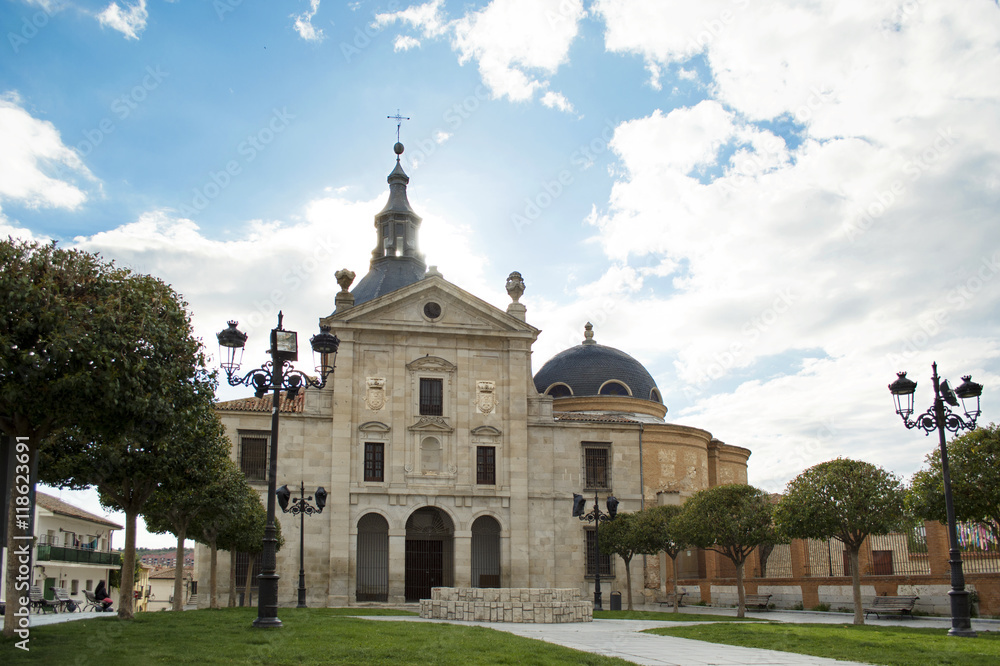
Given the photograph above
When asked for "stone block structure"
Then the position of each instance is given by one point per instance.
(519, 604)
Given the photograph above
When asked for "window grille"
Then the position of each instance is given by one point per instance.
(596, 473)
(431, 397)
(594, 556)
(486, 467)
(374, 461)
(253, 455)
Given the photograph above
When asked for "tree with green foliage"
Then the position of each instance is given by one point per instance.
(974, 470)
(226, 496)
(732, 520)
(140, 450)
(88, 345)
(847, 499)
(628, 535)
(246, 534)
(181, 501)
(666, 537)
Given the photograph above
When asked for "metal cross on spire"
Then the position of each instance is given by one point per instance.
(399, 122)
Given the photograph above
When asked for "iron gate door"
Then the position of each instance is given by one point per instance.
(424, 568)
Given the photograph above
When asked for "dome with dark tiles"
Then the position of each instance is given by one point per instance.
(590, 369)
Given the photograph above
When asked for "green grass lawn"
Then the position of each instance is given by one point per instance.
(309, 636)
(668, 616)
(874, 645)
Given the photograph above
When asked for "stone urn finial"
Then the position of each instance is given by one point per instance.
(515, 286)
(588, 334)
(344, 278)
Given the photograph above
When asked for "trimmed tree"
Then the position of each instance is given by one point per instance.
(847, 499)
(628, 535)
(58, 351)
(178, 503)
(666, 537)
(246, 534)
(974, 469)
(147, 435)
(731, 520)
(225, 500)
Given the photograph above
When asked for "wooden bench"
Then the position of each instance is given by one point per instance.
(62, 598)
(39, 602)
(900, 605)
(669, 601)
(757, 601)
(91, 603)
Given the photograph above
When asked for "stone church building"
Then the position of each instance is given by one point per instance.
(447, 462)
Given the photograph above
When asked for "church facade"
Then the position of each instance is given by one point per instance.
(447, 462)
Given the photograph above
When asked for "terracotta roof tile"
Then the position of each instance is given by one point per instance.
(56, 505)
(264, 404)
(169, 573)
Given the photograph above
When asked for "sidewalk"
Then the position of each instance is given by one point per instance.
(42, 619)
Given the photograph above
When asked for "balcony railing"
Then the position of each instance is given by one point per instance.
(83, 556)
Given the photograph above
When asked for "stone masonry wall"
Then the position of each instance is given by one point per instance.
(518, 604)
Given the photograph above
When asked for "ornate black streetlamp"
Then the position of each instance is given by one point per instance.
(276, 375)
(596, 516)
(301, 507)
(941, 418)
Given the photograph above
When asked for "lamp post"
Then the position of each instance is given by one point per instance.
(302, 507)
(597, 517)
(275, 375)
(940, 418)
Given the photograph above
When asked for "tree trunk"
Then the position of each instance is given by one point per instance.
(214, 603)
(125, 598)
(15, 591)
(673, 560)
(628, 580)
(742, 603)
(247, 595)
(232, 579)
(859, 616)
(179, 571)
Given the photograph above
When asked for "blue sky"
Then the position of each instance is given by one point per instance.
(774, 206)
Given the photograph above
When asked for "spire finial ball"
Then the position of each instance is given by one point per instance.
(398, 148)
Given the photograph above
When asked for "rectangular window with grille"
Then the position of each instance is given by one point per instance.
(253, 455)
(431, 397)
(594, 556)
(597, 473)
(374, 461)
(486, 465)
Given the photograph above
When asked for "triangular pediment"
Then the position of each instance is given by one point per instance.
(431, 424)
(432, 303)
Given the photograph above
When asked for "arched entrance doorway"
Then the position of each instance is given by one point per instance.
(373, 558)
(485, 552)
(430, 552)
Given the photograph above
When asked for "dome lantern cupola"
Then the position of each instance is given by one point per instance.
(396, 260)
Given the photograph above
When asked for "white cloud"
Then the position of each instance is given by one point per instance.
(517, 44)
(130, 20)
(35, 165)
(304, 26)
(557, 101)
(814, 268)
(440, 136)
(429, 18)
(405, 43)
